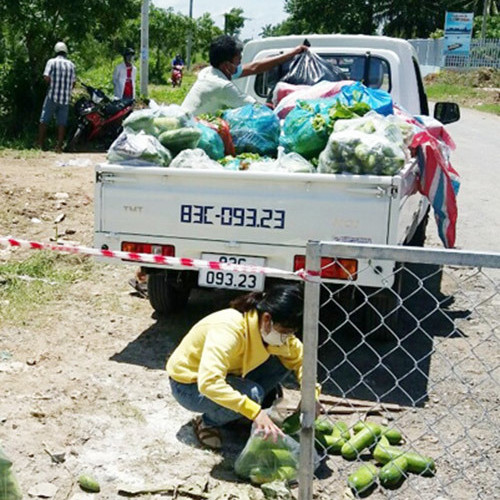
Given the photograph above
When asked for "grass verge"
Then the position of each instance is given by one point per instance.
(478, 89)
(41, 278)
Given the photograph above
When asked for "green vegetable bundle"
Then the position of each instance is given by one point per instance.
(263, 461)
(138, 149)
(9, 488)
(355, 152)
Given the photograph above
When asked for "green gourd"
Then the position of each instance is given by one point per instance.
(361, 479)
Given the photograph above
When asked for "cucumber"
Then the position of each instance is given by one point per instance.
(291, 424)
(357, 443)
(393, 435)
(341, 429)
(286, 473)
(329, 442)
(361, 479)
(393, 472)
(181, 138)
(88, 483)
(384, 452)
(323, 426)
(359, 426)
(419, 464)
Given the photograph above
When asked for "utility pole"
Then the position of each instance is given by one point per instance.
(144, 47)
(190, 36)
(485, 16)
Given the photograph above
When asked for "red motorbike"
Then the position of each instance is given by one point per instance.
(99, 119)
(176, 76)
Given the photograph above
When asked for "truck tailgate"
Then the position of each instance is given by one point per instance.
(247, 207)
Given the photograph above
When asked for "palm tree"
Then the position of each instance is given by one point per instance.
(410, 18)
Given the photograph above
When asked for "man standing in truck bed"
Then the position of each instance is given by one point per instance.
(214, 89)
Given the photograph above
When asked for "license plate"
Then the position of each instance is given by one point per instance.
(213, 278)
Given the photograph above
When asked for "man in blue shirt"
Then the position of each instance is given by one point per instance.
(61, 77)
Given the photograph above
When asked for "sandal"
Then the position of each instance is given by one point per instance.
(141, 287)
(209, 437)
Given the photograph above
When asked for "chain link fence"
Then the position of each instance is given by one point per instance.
(421, 357)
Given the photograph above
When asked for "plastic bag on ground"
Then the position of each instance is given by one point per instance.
(195, 158)
(138, 150)
(325, 89)
(307, 68)
(9, 487)
(254, 129)
(263, 461)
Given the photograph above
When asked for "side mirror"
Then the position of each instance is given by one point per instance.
(446, 112)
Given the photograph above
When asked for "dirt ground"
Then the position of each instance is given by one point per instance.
(83, 378)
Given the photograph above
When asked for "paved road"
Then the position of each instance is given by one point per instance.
(477, 160)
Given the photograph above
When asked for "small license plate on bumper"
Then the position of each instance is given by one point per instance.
(213, 278)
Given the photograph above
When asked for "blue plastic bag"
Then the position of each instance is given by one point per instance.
(254, 129)
(210, 142)
(379, 100)
(306, 128)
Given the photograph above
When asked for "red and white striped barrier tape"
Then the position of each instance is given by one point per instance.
(148, 258)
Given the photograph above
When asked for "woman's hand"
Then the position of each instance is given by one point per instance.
(266, 427)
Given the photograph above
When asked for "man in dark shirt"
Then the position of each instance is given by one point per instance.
(61, 77)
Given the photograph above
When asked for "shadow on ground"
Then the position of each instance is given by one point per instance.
(387, 359)
(154, 345)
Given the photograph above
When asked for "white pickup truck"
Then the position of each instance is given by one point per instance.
(267, 218)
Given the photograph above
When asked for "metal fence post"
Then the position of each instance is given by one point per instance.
(310, 340)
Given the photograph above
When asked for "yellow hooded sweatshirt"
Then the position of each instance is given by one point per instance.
(225, 343)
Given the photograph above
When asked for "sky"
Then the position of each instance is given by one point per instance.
(259, 12)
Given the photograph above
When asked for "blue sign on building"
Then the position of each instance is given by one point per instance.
(457, 33)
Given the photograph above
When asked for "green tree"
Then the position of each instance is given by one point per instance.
(492, 27)
(411, 18)
(205, 32)
(167, 36)
(29, 30)
(477, 6)
(234, 22)
(330, 16)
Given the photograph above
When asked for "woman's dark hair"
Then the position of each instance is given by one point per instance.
(283, 302)
(224, 48)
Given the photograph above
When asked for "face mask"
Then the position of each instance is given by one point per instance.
(272, 338)
(238, 71)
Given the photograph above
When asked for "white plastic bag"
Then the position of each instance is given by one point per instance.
(138, 150)
(195, 158)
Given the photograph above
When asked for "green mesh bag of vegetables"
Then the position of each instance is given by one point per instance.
(263, 461)
(9, 488)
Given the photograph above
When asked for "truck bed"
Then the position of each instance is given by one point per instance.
(270, 215)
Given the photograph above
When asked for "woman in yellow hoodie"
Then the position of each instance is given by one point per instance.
(230, 360)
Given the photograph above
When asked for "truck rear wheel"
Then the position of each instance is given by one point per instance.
(166, 293)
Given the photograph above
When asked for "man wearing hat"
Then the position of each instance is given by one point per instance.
(61, 77)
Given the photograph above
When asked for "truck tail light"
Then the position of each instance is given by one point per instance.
(164, 250)
(340, 269)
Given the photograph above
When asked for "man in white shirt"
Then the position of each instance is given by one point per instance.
(124, 76)
(214, 89)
